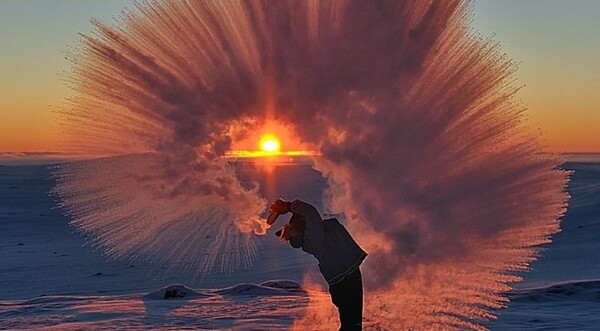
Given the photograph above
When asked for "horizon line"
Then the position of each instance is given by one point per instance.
(50, 157)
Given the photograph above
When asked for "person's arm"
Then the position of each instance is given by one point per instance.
(313, 233)
(306, 210)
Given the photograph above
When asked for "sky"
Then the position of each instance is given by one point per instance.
(556, 43)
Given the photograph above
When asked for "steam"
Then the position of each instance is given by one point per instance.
(427, 151)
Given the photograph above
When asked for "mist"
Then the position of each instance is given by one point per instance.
(427, 150)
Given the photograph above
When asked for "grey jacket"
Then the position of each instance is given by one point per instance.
(328, 241)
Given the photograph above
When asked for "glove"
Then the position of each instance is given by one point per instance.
(278, 207)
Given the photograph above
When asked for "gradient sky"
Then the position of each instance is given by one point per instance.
(556, 43)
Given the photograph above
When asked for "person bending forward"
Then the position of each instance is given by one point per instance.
(338, 254)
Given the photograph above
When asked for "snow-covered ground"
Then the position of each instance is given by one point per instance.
(562, 291)
(50, 279)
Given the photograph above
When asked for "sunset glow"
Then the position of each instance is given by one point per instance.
(269, 143)
(563, 102)
(271, 140)
(269, 147)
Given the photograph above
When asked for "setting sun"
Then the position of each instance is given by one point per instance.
(269, 143)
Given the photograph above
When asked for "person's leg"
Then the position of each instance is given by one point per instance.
(355, 304)
(347, 297)
(338, 297)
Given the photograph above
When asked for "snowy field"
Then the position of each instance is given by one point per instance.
(51, 280)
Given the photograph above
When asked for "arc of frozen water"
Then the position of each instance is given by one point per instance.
(426, 149)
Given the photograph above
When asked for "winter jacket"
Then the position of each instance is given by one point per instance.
(328, 241)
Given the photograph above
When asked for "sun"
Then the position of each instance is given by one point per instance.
(269, 143)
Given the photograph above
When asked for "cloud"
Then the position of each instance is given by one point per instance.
(420, 135)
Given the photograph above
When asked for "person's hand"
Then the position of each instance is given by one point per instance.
(280, 206)
(285, 236)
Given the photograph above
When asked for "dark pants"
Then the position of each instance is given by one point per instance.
(347, 296)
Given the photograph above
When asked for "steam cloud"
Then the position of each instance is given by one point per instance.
(426, 150)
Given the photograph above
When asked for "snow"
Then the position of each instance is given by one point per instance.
(562, 306)
(266, 288)
(176, 291)
(240, 307)
(51, 280)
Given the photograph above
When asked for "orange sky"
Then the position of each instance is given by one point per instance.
(567, 110)
(555, 44)
(26, 121)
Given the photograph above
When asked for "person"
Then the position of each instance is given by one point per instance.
(338, 254)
